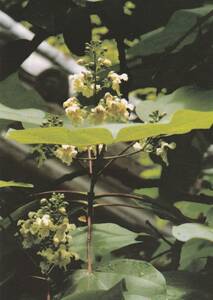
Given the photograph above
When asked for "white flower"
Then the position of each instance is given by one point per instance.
(70, 102)
(128, 105)
(81, 61)
(66, 153)
(117, 108)
(137, 146)
(77, 82)
(75, 114)
(163, 149)
(105, 62)
(81, 83)
(124, 77)
(116, 80)
(98, 113)
(46, 220)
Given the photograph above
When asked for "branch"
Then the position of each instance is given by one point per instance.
(68, 177)
(76, 195)
(113, 156)
(172, 213)
(112, 160)
(202, 198)
(129, 179)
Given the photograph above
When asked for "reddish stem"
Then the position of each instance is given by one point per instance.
(90, 197)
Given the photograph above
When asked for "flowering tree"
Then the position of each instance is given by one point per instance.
(98, 114)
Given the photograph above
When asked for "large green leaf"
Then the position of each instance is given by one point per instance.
(188, 231)
(107, 237)
(188, 97)
(184, 286)
(142, 280)
(194, 254)
(15, 94)
(14, 184)
(182, 122)
(179, 24)
(56, 135)
(115, 293)
(14, 97)
(28, 115)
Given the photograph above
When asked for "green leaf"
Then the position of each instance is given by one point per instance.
(15, 99)
(14, 184)
(28, 115)
(115, 293)
(184, 286)
(141, 278)
(158, 41)
(189, 97)
(194, 250)
(107, 237)
(188, 231)
(56, 135)
(192, 209)
(14, 94)
(182, 122)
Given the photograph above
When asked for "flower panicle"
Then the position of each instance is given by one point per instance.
(99, 89)
(49, 231)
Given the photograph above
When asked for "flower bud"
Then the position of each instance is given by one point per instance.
(62, 210)
(31, 214)
(43, 201)
(81, 61)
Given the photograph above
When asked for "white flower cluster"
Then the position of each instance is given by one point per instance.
(49, 231)
(160, 149)
(109, 108)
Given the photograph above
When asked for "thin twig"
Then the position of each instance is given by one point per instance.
(198, 198)
(76, 194)
(118, 205)
(113, 159)
(146, 200)
(48, 290)
(90, 162)
(68, 177)
(170, 211)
